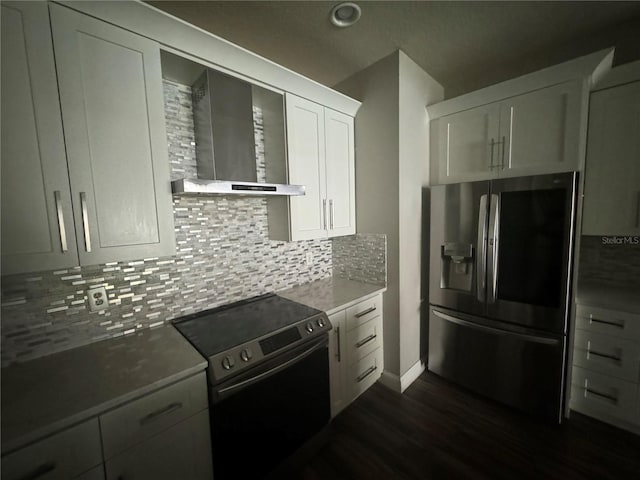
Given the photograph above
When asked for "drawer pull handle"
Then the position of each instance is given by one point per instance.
(159, 413)
(338, 353)
(369, 371)
(366, 340)
(40, 471)
(368, 310)
(611, 398)
(603, 355)
(605, 322)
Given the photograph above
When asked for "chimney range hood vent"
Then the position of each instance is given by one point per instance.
(225, 141)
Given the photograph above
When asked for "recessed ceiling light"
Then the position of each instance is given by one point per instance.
(345, 14)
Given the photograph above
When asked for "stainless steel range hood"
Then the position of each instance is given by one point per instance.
(225, 141)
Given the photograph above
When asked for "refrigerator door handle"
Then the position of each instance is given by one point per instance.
(481, 249)
(493, 241)
(495, 331)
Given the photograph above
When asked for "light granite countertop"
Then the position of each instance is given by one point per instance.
(604, 296)
(42, 396)
(331, 294)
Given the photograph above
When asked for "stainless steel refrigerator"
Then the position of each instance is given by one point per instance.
(499, 287)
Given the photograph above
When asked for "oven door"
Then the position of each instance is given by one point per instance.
(262, 416)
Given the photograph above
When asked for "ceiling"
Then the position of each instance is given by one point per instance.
(463, 45)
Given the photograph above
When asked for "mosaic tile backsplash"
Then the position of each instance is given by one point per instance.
(361, 257)
(224, 254)
(611, 265)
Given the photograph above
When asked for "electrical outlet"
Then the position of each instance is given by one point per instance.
(98, 299)
(309, 259)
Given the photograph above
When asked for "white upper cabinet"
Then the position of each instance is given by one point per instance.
(320, 151)
(107, 196)
(463, 144)
(340, 176)
(612, 180)
(531, 125)
(110, 86)
(533, 133)
(540, 132)
(37, 218)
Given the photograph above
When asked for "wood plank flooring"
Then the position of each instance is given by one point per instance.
(438, 431)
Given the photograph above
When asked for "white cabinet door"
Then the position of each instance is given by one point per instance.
(111, 96)
(306, 158)
(337, 361)
(612, 181)
(465, 145)
(539, 132)
(37, 218)
(340, 167)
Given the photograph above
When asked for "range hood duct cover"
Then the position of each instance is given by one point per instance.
(225, 140)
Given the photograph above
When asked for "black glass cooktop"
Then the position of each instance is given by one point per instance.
(219, 329)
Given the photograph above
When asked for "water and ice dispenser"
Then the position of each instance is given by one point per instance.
(457, 266)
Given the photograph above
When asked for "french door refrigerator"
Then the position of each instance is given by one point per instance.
(499, 287)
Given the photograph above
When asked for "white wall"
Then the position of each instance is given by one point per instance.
(417, 89)
(376, 141)
(391, 168)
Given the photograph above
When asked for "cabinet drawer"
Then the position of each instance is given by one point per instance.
(364, 311)
(364, 373)
(364, 339)
(62, 456)
(183, 451)
(611, 322)
(602, 396)
(146, 416)
(607, 354)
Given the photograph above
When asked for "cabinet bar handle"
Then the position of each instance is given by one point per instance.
(331, 214)
(504, 141)
(600, 394)
(603, 355)
(338, 353)
(369, 371)
(85, 221)
(159, 413)
(39, 471)
(60, 215)
(366, 340)
(324, 213)
(493, 144)
(605, 322)
(368, 310)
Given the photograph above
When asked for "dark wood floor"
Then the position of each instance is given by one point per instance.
(437, 431)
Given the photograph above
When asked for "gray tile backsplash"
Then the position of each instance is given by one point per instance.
(609, 264)
(223, 255)
(361, 257)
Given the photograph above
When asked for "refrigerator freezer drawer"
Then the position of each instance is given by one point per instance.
(519, 369)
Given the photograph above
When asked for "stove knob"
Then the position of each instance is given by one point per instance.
(320, 322)
(228, 363)
(309, 327)
(246, 355)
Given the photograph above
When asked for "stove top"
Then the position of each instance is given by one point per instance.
(237, 336)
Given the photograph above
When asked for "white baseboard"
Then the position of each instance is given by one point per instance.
(400, 384)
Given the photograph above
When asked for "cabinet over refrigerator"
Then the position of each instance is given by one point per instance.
(500, 276)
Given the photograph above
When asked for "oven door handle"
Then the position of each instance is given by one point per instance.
(230, 390)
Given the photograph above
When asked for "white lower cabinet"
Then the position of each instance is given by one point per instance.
(605, 380)
(355, 350)
(161, 436)
(67, 454)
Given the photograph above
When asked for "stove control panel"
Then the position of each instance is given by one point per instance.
(241, 357)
